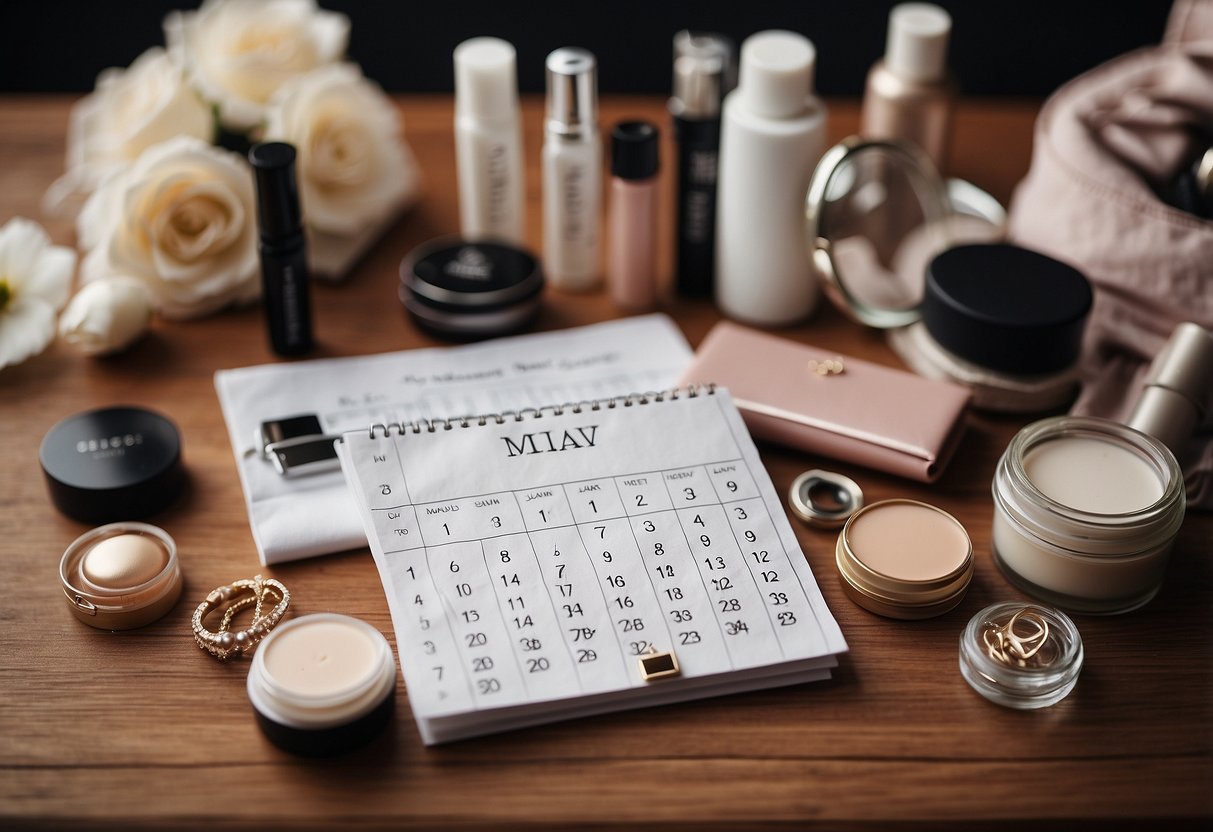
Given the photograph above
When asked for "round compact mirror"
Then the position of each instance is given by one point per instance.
(876, 213)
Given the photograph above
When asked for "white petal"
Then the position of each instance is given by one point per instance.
(51, 279)
(27, 327)
(22, 242)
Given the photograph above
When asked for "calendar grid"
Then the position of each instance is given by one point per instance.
(817, 622)
(630, 562)
(702, 580)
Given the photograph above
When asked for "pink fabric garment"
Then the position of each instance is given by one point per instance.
(1102, 142)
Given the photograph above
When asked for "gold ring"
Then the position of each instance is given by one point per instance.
(1005, 645)
(237, 596)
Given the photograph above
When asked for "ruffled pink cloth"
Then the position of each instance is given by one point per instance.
(1102, 143)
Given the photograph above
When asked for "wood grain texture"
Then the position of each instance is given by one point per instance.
(143, 730)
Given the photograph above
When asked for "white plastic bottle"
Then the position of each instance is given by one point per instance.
(572, 172)
(488, 141)
(772, 137)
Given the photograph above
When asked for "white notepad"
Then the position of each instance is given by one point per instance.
(532, 559)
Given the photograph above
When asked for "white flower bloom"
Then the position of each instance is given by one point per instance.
(240, 52)
(354, 166)
(181, 221)
(35, 278)
(129, 111)
(106, 316)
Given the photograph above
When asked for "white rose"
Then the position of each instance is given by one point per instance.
(239, 52)
(182, 221)
(35, 278)
(129, 111)
(106, 316)
(354, 167)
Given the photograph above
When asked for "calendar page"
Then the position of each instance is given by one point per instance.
(532, 560)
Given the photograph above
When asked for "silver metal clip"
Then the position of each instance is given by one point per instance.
(298, 446)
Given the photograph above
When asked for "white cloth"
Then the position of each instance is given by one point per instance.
(301, 517)
(1103, 143)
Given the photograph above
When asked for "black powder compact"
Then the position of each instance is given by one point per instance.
(116, 463)
(471, 289)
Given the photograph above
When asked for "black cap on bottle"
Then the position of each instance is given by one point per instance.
(278, 213)
(634, 150)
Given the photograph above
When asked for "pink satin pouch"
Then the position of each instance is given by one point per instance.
(876, 416)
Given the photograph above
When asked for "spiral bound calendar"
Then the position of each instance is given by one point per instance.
(553, 563)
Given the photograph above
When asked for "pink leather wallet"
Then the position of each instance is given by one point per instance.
(845, 408)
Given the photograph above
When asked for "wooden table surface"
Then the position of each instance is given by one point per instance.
(143, 730)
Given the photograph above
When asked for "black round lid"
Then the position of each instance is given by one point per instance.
(116, 463)
(471, 276)
(1006, 308)
(634, 150)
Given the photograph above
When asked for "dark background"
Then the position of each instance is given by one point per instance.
(999, 47)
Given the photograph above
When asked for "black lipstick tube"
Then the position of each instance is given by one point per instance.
(283, 249)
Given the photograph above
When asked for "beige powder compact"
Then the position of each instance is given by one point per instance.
(121, 575)
(904, 559)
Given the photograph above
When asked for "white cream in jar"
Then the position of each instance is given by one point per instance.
(1085, 512)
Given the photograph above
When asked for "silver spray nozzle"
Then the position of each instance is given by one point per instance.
(572, 92)
(703, 73)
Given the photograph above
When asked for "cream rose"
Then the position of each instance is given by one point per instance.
(354, 166)
(129, 111)
(106, 316)
(182, 221)
(240, 52)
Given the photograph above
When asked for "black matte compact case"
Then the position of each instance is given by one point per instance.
(467, 289)
(116, 463)
(1006, 308)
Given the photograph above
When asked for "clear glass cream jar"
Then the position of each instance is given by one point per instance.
(1085, 513)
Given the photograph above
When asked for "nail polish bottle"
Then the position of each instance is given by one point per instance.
(632, 249)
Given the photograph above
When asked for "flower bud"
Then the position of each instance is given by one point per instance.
(106, 316)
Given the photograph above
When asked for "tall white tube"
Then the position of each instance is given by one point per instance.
(772, 137)
(572, 172)
(488, 141)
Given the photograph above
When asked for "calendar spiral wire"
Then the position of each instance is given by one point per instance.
(416, 426)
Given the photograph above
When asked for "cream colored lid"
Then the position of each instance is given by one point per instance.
(776, 76)
(917, 48)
